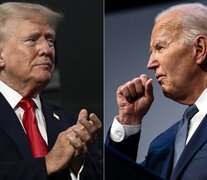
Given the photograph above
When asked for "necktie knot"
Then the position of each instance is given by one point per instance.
(26, 103)
(190, 112)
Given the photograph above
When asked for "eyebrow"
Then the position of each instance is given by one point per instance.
(36, 34)
(157, 43)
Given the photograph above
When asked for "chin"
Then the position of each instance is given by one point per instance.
(44, 80)
(45, 75)
(168, 92)
(176, 96)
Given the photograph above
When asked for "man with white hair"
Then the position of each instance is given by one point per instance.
(179, 59)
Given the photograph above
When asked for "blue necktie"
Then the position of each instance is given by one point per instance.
(181, 136)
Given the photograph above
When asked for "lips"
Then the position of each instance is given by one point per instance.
(45, 63)
(159, 78)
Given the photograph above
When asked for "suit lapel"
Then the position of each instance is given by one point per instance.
(197, 140)
(55, 122)
(51, 124)
(167, 167)
(169, 147)
(10, 123)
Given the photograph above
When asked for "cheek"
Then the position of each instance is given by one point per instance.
(180, 74)
(172, 73)
(176, 63)
(17, 55)
(170, 67)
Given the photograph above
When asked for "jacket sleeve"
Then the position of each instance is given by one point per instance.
(128, 147)
(24, 170)
(93, 166)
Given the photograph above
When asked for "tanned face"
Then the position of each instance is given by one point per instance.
(28, 56)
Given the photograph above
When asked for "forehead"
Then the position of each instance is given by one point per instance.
(166, 28)
(25, 26)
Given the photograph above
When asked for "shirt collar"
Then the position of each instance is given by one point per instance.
(13, 97)
(201, 102)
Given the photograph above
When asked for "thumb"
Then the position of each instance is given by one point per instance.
(149, 89)
(83, 114)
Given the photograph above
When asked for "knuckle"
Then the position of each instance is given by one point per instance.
(87, 138)
(61, 136)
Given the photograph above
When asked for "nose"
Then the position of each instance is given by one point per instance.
(153, 63)
(45, 48)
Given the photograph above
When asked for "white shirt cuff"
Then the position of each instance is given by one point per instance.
(120, 132)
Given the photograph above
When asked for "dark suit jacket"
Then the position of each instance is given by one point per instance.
(192, 162)
(16, 161)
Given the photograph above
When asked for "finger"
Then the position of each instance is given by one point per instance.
(132, 89)
(144, 79)
(63, 138)
(138, 86)
(88, 126)
(93, 125)
(82, 133)
(75, 142)
(96, 121)
(82, 150)
(69, 130)
(149, 89)
(119, 90)
(83, 114)
(126, 93)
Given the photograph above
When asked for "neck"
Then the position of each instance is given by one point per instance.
(27, 89)
(193, 93)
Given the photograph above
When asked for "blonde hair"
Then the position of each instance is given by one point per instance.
(17, 11)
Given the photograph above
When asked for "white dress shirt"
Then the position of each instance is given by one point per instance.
(119, 132)
(201, 104)
(13, 98)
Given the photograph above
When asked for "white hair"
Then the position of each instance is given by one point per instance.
(193, 20)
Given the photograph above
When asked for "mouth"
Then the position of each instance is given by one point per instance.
(159, 78)
(45, 65)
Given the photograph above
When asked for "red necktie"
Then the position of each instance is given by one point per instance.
(37, 143)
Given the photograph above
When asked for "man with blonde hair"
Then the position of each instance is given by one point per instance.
(38, 140)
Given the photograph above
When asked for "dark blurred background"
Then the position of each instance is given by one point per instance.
(125, 5)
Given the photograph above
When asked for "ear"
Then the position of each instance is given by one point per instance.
(201, 49)
(2, 63)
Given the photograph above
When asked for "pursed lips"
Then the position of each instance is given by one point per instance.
(45, 64)
(159, 77)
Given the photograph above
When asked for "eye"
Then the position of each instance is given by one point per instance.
(30, 41)
(156, 48)
(159, 47)
(51, 42)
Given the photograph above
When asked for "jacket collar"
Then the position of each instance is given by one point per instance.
(196, 141)
(10, 124)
